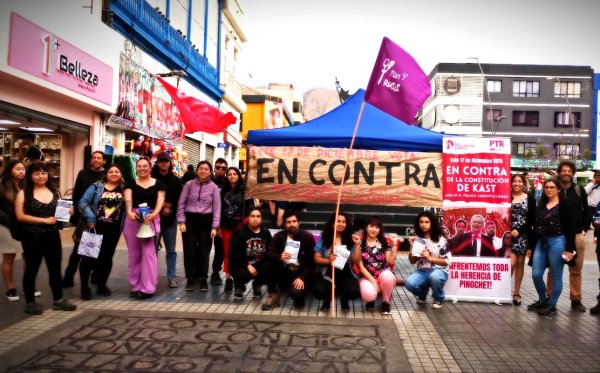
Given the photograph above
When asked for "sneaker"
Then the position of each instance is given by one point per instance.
(596, 309)
(326, 306)
(86, 294)
(12, 295)
(63, 305)
(385, 308)
(256, 291)
(345, 305)
(173, 284)
(104, 290)
(37, 293)
(537, 305)
(228, 284)
(577, 306)
(34, 308)
(422, 300)
(203, 284)
(67, 282)
(370, 305)
(238, 293)
(272, 302)
(189, 286)
(215, 279)
(437, 304)
(549, 310)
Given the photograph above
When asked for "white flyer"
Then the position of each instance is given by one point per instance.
(341, 256)
(292, 247)
(62, 210)
(418, 246)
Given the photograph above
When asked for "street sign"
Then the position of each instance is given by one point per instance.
(223, 145)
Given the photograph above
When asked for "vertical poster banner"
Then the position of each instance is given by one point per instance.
(476, 204)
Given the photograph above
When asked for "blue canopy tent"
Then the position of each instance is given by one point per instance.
(377, 131)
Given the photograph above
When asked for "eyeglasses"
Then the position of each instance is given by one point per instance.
(220, 167)
(549, 187)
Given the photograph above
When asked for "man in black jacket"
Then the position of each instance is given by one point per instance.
(163, 170)
(292, 256)
(247, 256)
(474, 242)
(220, 179)
(85, 178)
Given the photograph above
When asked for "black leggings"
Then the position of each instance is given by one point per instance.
(38, 246)
(196, 245)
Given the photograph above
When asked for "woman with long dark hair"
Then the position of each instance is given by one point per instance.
(199, 217)
(143, 263)
(11, 181)
(555, 244)
(374, 260)
(35, 207)
(432, 260)
(232, 213)
(102, 206)
(335, 234)
(521, 224)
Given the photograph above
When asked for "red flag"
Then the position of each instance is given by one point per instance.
(397, 86)
(198, 116)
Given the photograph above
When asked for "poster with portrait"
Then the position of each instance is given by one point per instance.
(476, 204)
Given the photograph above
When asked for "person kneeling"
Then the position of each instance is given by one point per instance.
(247, 250)
(432, 260)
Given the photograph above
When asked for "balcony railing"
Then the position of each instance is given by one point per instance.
(140, 23)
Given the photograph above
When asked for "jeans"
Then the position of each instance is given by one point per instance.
(421, 280)
(548, 253)
(169, 236)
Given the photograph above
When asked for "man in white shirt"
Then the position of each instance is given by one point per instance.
(593, 193)
(490, 230)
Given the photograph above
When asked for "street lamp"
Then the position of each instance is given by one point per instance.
(569, 112)
(495, 121)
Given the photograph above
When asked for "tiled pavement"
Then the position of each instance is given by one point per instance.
(459, 337)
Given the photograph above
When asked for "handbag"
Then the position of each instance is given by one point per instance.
(90, 244)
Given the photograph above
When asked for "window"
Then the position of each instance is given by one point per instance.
(525, 149)
(563, 119)
(526, 88)
(571, 150)
(526, 118)
(494, 86)
(497, 114)
(567, 89)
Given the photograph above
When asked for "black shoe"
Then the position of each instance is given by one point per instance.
(104, 290)
(385, 308)
(12, 295)
(345, 305)
(34, 308)
(203, 284)
(256, 291)
(144, 296)
(299, 304)
(326, 306)
(538, 305)
(134, 294)
(67, 282)
(215, 279)
(549, 310)
(370, 305)
(238, 293)
(86, 294)
(596, 309)
(577, 306)
(63, 305)
(228, 284)
(190, 284)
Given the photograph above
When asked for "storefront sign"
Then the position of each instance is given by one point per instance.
(48, 57)
(144, 105)
(313, 174)
(551, 164)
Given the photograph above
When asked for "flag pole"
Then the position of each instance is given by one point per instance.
(339, 198)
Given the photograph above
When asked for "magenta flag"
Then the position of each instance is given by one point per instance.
(198, 116)
(397, 86)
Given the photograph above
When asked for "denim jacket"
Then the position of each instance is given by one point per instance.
(88, 204)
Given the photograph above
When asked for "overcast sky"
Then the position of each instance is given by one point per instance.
(310, 42)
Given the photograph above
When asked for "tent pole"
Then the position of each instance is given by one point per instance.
(337, 205)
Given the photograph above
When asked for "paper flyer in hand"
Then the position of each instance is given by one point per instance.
(418, 247)
(341, 256)
(62, 210)
(292, 247)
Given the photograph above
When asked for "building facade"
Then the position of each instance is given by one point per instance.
(545, 110)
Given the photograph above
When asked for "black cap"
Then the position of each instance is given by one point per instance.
(163, 155)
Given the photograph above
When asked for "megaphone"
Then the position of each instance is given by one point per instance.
(145, 231)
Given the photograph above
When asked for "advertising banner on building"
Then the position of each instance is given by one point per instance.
(373, 177)
(476, 214)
